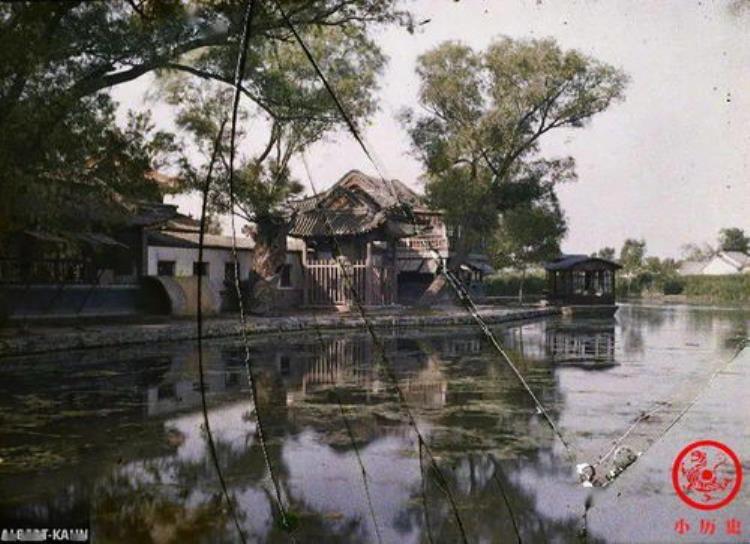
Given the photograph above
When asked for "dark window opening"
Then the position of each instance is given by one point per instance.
(284, 365)
(166, 391)
(165, 268)
(200, 268)
(286, 276)
(229, 272)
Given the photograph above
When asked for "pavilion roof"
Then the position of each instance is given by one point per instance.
(356, 204)
(567, 262)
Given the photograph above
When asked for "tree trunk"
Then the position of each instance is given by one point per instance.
(269, 257)
(520, 286)
(459, 249)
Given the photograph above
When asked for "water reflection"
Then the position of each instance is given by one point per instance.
(116, 437)
(587, 345)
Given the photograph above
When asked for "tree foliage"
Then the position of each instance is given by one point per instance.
(734, 239)
(90, 172)
(283, 97)
(697, 253)
(57, 58)
(632, 254)
(484, 115)
(529, 234)
(606, 252)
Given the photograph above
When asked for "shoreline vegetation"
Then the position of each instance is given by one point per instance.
(730, 288)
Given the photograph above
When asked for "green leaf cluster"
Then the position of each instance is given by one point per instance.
(482, 117)
(58, 61)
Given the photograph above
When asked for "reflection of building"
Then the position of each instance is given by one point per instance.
(352, 363)
(428, 387)
(581, 345)
(461, 346)
(180, 387)
(337, 361)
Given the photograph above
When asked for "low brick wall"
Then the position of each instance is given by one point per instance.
(133, 334)
(50, 301)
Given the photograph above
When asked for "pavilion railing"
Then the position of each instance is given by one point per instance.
(424, 243)
(326, 285)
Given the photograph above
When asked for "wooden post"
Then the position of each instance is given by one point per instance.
(368, 275)
(614, 287)
(305, 277)
(394, 273)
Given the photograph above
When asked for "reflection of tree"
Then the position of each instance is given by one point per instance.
(728, 326)
(476, 480)
(129, 509)
(465, 399)
(738, 334)
(634, 321)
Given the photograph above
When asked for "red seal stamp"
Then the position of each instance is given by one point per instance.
(707, 475)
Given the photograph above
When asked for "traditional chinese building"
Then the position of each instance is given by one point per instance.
(390, 242)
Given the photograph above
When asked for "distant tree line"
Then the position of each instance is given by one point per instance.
(730, 239)
(642, 274)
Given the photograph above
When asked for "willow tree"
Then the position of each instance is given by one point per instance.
(57, 58)
(285, 108)
(483, 115)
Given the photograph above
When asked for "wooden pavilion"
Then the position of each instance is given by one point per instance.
(580, 281)
(374, 232)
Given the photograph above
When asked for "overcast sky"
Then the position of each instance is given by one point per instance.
(670, 164)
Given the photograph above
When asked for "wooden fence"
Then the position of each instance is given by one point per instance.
(328, 284)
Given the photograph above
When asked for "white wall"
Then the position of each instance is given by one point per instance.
(185, 257)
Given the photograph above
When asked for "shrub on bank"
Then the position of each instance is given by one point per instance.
(730, 288)
(506, 285)
(673, 286)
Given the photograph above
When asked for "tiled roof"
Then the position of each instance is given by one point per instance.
(177, 238)
(740, 259)
(171, 238)
(689, 268)
(384, 193)
(480, 262)
(373, 200)
(565, 262)
(151, 213)
(320, 222)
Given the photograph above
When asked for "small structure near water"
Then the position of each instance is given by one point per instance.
(390, 241)
(580, 284)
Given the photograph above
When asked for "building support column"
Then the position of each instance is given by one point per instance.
(305, 277)
(394, 272)
(369, 288)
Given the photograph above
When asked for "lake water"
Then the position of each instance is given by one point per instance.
(115, 440)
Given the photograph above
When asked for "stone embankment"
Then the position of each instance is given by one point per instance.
(49, 339)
